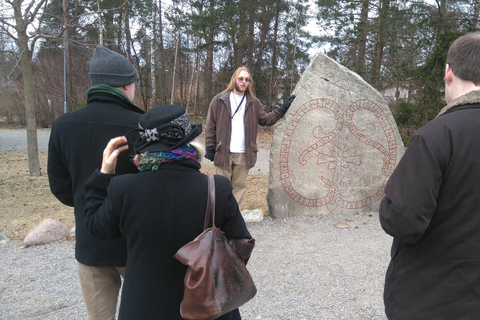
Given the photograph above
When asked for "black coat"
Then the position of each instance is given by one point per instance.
(432, 209)
(158, 212)
(75, 150)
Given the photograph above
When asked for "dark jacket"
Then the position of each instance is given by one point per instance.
(75, 150)
(432, 209)
(218, 127)
(158, 212)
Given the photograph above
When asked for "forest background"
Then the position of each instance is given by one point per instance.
(186, 50)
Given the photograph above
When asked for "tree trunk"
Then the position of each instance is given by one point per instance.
(197, 84)
(294, 53)
(362, 41)
(209, 60)
(28, 89)
(175, 67)
(194, 69)
(383, 8)
(163, 81)
(476, 13)
(30, 115)
(128, 35)
(240, 44)
(153, 39)
(271, 85)
(100, 25)
(251, 19)
(67, 60)
(264, 29)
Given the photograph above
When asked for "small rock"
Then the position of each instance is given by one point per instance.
(342, 225)
(47, 231)
(252, 215)
(3, 238)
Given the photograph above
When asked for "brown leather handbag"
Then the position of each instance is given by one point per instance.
(217, 280)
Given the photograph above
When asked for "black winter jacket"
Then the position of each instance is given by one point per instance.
(158, 212)
(75, 150)
(432, 209)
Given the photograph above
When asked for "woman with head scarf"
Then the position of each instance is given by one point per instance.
(157, 210)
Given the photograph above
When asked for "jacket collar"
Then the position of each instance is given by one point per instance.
(105, 97)
(472, 97)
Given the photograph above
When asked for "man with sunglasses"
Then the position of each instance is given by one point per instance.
(231, 129)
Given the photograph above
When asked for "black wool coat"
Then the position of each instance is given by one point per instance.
(158, 212)
(75, 150)
(432, 209)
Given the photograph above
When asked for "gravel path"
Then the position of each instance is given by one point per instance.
(16, 139)
(304, 268)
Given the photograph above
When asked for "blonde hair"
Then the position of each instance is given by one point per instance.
(233, 81)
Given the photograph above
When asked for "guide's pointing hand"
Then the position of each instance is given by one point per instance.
(283, 109)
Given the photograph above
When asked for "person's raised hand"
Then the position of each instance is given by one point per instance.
(111, 152)
(283, 109)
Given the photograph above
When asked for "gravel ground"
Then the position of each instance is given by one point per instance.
(304, 268)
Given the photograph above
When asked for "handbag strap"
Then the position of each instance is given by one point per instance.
(210, 202)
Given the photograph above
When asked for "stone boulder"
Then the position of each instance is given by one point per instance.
(47, 231)
(337, 147)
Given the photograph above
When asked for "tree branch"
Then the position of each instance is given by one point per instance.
(35, 12)
(8, 32)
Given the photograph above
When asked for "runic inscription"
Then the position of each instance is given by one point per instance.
(345, 141)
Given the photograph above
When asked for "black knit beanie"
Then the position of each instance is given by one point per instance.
(111, 68)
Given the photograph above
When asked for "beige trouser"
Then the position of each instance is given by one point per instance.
(236, 172)
(100, 287)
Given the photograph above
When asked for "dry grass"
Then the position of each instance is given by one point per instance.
(26, 201)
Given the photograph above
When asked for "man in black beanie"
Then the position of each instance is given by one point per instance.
(75, 150)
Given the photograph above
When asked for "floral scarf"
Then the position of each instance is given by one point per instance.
(150, 161)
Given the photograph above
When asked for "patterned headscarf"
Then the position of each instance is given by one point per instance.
(150, 161)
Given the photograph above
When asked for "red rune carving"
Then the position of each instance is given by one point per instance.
(331, 147)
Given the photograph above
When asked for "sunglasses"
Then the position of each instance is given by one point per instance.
(241, 79)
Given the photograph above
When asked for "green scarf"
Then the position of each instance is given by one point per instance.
(103, 88)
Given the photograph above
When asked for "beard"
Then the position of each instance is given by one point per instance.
(239, 89)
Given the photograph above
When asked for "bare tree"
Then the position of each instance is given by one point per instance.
(25, 34)
(153, 61)
(175, 66)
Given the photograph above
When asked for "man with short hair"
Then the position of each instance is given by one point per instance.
(231, 129)
(75, 150)
(431, 207)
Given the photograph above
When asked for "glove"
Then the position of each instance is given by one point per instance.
(210, 153)
(283, 109)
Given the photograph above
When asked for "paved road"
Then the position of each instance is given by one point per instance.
(16, 139)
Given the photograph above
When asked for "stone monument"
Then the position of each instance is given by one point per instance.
(336, 149)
